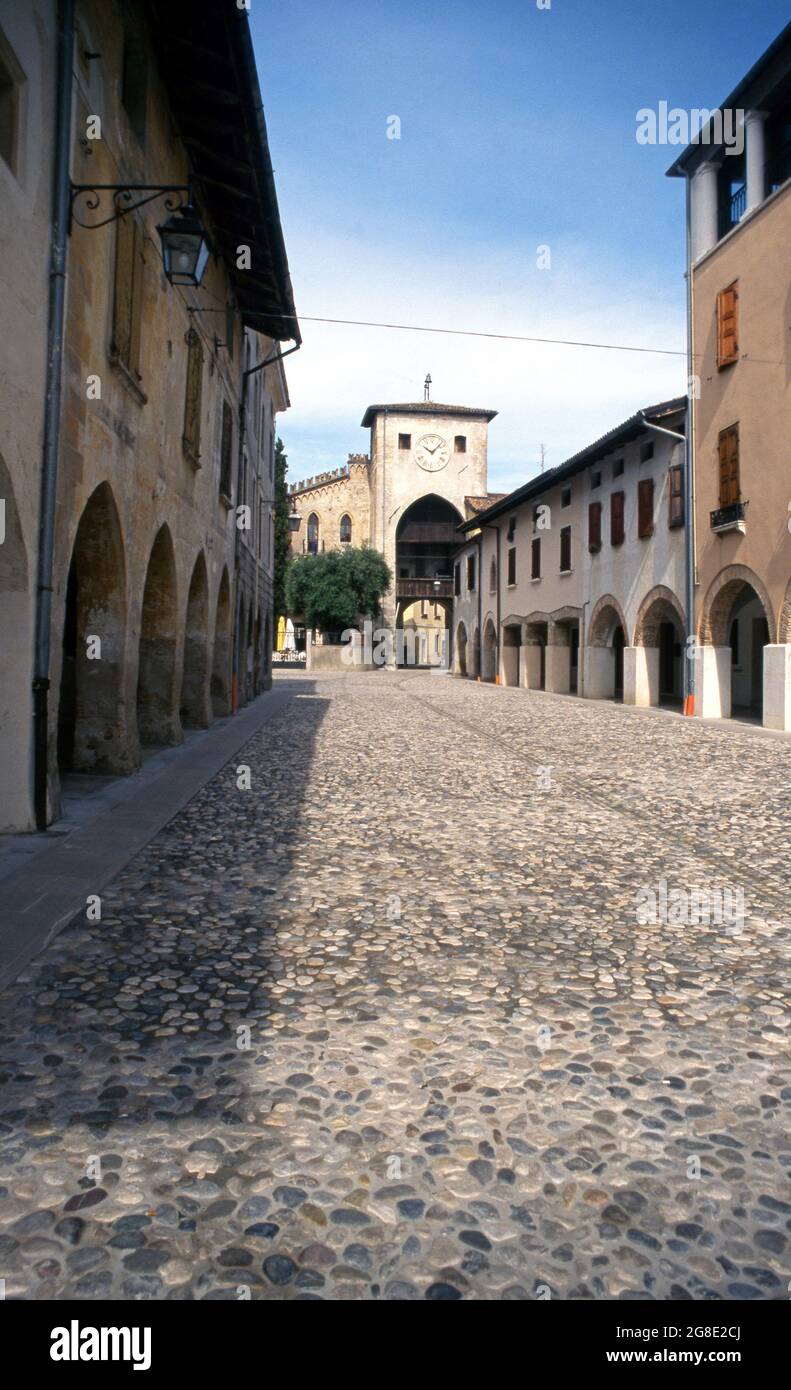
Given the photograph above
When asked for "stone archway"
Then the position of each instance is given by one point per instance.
(157, 707)
(195, 707)
(16, 645)
(221, 658)
(606, 641)
(489, 652)
(655, 663)
(461, 650)
(92, 713)
(736, 627)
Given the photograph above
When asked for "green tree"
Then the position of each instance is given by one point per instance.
(282, 533)
(335, 590)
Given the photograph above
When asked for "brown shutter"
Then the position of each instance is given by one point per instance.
(728, 325)
(594, 525)
(616, 518)
(565, 548)
(729, 466)
(128, 294)
(192, 398)
(676, 495)
(535, 567)
(645, 508)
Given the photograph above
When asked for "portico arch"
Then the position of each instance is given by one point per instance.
(195, 706)
(607, 638)
(736, 626)
(157, 706)
(461, 650)
(221, 660)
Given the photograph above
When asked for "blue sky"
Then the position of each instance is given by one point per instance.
(517, 131)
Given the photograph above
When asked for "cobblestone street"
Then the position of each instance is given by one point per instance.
(471, 1072)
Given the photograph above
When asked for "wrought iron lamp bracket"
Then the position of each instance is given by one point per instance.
(125, 199)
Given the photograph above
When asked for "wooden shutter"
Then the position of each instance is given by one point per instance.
(512, 565)
(616, 518)
(565, 548)
(192, 397)
(128, 294)
(729, 466)
(645, 508)
(594, 525)
(226, 445)
(728, 325)
(535, 566)
(676, 495)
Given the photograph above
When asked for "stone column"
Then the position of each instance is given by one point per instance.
(641, 676)
(755, 137)
(713, 682)
(599, 683)
(705, 209)
(558, 660)
(777, 686)
(530, 665)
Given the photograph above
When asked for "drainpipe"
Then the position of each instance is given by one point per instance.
(479, 540)
(52, 409)
(491, 527)
(689, 539)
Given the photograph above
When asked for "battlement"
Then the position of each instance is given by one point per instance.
(336, 475)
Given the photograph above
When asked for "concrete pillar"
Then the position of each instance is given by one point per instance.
(559, 669)
(599, 681)
(531, 666)
(755, 151)
(705, 209)
(713, 682)
(777, 686)
(641, 676)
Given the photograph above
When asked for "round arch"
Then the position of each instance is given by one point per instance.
(157, 707)
(489, 652)
(195, 710)
(607, 615)
(723, 592)
(660, 605)
(221, 656)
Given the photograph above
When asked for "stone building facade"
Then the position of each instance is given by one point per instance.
(161, 585)
(741, 276)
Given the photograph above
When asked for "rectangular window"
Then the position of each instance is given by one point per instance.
(565, 549)
(134, 84)
(617, 468)
(511, 527)
(616, 518)
(594, 526)
(226, 451)
(535, 558)
(460, 444)
(730, 490)
(470, 573)
(10, 82)
(676, 495)
(595, 479)
(192, 398)
(405, 441)
(565, 497)
(457, 580)
(128, 295)
(646, 452)
(512, 565)
(728, 325)
(645, 508)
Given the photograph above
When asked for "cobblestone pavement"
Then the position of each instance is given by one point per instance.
(471, 1073)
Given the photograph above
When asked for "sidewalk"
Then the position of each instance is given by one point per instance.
(45, 879)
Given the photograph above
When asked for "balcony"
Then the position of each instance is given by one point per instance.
(424, 588)
(730, 518)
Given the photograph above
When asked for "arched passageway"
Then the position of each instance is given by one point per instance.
(426, 539)
(736, 627)
(195, 711)
(489, 653)
(607, 638)
(92, 723)
(657, 672)
(221, 657)
(461, 650)
(157, 707)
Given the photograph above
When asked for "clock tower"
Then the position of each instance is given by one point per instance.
(426, 458)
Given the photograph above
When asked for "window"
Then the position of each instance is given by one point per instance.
(596, 479)
(470, 573)
(226, 451)
(617, 468)
(565, 497)
(535, 558)
(346, 530)
(616, 518)
(512, 565)
(493, 576)
(134, 84)
(457, 580)
(734, 642)
(128, 295)
(511, 527)
(676, 495)
(565, 549)
(405, 441)
(645, 508)
(594, 526)
(11, 78)
(313, 534)
(192, 398)
(460, 444)
(646, 452)
(728, 326)
(730, 491)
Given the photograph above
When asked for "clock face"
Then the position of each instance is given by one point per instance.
(431, 452)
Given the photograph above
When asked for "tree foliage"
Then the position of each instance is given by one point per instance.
(282, 534)
(334, 590)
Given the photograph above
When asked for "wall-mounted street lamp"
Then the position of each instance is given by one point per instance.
(185, 243)
(294, 521)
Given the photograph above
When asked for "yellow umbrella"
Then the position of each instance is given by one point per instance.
(281, 634)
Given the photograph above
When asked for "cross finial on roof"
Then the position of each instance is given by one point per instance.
(427, 388)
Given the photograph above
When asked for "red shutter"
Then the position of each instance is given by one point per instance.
(616, 518)
(729, 466)
(728, 325)
(645, 508)
(676, 495)
(594, 525)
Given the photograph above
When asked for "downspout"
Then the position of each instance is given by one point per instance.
(689, 478)
(479, 539)
(491, 527)
(56, 312)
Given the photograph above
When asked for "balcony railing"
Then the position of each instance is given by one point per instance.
(729, 518)
(424, 588)
(738, 205)
(778, 169)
